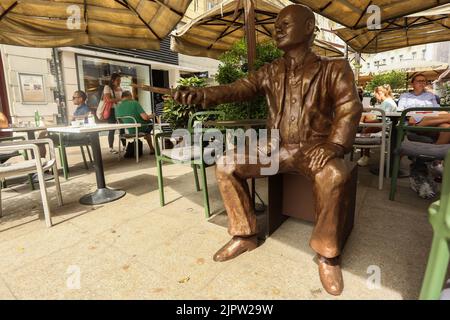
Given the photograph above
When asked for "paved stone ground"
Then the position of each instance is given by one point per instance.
(134, 249)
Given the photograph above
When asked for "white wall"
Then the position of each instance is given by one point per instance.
(174, 76)
(69, 74)
(199, 63)
(32, 61)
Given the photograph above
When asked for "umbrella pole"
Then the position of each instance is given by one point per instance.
(250, 32)
(358, 65)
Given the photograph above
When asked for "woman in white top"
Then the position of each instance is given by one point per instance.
(384, 95)
(113, 92)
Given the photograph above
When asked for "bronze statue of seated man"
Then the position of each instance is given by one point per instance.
(313, 102)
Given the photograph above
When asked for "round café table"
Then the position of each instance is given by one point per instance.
(103, 194)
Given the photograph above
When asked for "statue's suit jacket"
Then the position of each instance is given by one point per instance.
(331, 106)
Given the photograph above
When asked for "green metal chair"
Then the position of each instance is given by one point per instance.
(402, 129)
(62, 145)
(187, 155)
(439, 215)
(130, 136)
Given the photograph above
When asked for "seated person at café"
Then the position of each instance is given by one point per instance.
(420, 98)
(3, 125)
(130, 107)
(81, 112)
(384, 96)
(3, 121)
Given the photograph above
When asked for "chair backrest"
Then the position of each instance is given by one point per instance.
(203, 116)
(445, 192)
(383, 125)
(126, 119)
(382, 113)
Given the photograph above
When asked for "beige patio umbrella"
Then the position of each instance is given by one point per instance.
(215, 32)
(398, 33)
(136, 24)
(354, 14)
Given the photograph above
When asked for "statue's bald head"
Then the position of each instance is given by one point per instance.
(298, 22)
(299, 11)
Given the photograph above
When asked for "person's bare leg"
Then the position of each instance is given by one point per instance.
(41, 146)
(444, 137)
(432, 121)
(148, 137)
(366, 151)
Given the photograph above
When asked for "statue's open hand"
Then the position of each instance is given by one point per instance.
(321, 154)
(188, 96)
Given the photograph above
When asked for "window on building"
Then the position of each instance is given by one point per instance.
(401, 57)
(424, 53)
(368, 65)
(212, 3)
(414, 55)
(384, 62)
(392, 59)
(195, 5)
(94, 74)
(377, 63)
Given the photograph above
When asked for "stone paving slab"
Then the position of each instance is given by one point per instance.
(134, 249)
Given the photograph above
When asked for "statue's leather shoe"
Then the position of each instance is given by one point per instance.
(235, 247)
(331, 275)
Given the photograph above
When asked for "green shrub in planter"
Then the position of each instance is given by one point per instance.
(177, 114)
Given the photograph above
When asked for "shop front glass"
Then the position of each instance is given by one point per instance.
(94, 73)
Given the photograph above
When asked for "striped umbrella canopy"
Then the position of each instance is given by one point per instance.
(355, 14)
(134, 24)
(408, 31)
(215, 32)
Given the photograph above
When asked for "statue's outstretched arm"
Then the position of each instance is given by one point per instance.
(240, 90)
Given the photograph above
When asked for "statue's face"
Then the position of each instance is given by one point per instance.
(293, 29)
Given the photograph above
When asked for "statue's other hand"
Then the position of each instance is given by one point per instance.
(188, 97)
(322, 153)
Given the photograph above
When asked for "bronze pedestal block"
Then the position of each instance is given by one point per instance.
(291, 195)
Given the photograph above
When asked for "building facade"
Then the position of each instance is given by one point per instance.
(28, 83)
(43, 80)
(407, 59)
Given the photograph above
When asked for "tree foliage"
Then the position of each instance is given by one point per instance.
(396, 79)
(234, 66)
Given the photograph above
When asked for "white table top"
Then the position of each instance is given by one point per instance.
(23, 129)
(393, 114)
(94, 128)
